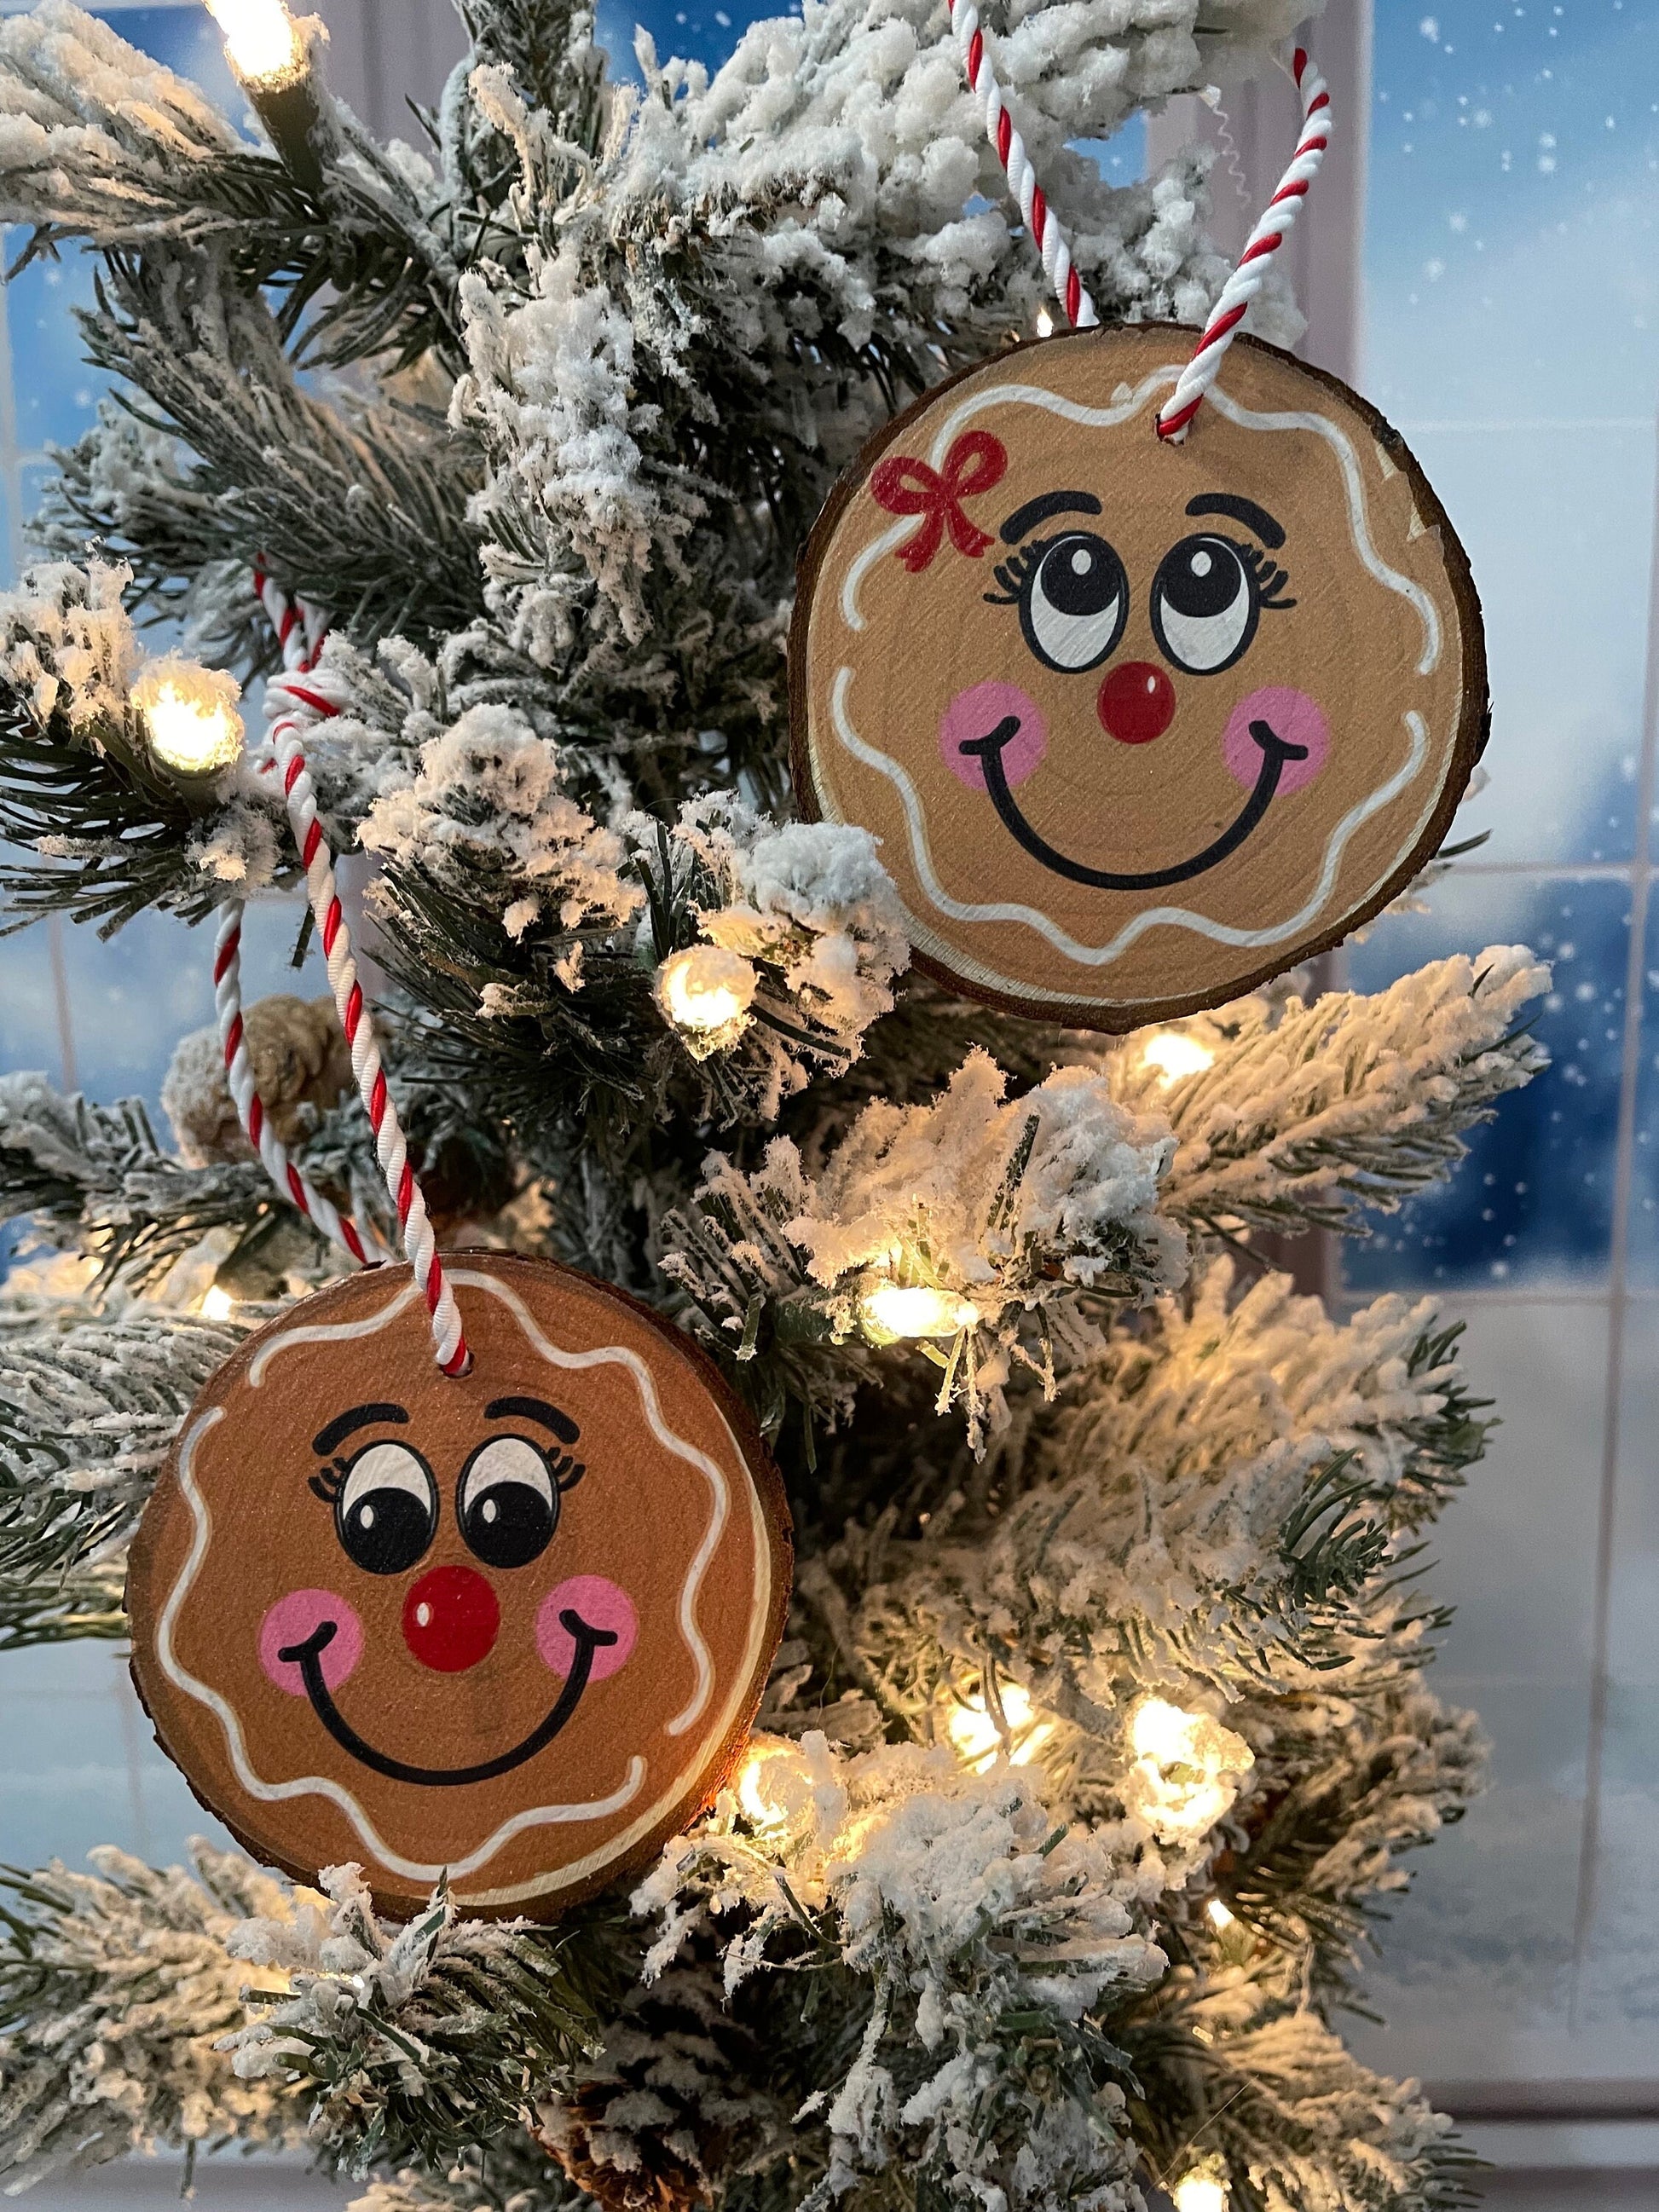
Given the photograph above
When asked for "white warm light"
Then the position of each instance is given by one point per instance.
(978, 1739)
(705, 988)
(1199, 2192)
(189, 715)
(1163, 1733)
(261, 39)
(904, 1310)
(771, 1788)
(1186, 1771)
(1221, 1919)
(1172, 1053)
(217, 1305)
(1045, 324)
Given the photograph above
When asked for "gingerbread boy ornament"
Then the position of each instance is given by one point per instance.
(508, 1629)
(1140, 725)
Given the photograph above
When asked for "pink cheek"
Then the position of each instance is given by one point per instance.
(294, 1619)
(976, 713)
(601, 1604)
(1291, 715)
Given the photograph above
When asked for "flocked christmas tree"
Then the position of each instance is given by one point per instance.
(1100, 1729)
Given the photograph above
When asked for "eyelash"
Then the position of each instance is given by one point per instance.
(329, 1481)
(1014, 573)
(1265, 573)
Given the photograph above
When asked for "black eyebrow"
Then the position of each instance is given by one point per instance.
(1039, 510)
(534, 1409)
(360, 1417)
(1242, 510)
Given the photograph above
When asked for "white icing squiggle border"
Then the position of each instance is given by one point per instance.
(542, 1815)
(1170, 916)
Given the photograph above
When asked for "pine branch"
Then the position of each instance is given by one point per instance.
(89, 1409)
(1341, 1796)
(1310, 1114)
(420, 2044)
(359, 508)
(1262, 2095)
(97, 1180)
(113, 840)
(115, 1988)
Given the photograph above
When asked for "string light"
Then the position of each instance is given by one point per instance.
(706, 992)
(974, 1731)
(189, 715)
(1186, 1769)
(1045, 324)
(1175, 1053)
(218, 1304)
(262, 39)
(1200, 2190)
(896, 1309)
(773, 1789)
(272, 60)
(1219, 1917)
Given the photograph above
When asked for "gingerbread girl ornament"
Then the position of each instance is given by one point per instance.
(1145, 703)
(508, 1629)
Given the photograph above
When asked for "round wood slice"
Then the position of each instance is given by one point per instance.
(1138, 726)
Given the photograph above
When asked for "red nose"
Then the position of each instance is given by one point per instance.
(1137, 703)
(450, 1620)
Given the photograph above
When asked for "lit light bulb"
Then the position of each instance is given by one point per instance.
(1173, 1054)
(1163, 1732)
(189, 715)
(1187, 1770)
(906, 1309)
(261, 39)
(977, 1739)
(1045, 324)
(218, 1304)
(706, 992)
(772, 1788)
(1219, 1917)
(1199, 2192)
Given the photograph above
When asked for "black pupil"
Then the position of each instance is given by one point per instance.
(1202, 579)
(1079, 576)
(508, 1524)
(387, 1531)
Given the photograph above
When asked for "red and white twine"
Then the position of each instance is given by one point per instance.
(296, 702)
(1035, 212)
(1272, 228)
(1175, 416)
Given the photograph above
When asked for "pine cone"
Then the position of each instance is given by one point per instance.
(301, 1067)
(628, 2169)
(675, 2099)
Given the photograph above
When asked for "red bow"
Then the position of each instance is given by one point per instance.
(906, 486)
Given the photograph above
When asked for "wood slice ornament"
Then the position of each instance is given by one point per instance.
(509, 1628)
(1138, 725)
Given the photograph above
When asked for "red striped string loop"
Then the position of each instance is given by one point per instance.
(298, 699)
(1273, 227)
(1035, 212)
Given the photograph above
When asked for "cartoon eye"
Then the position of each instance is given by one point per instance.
(1074, 602)
(387, 1510)
(508, 1503)
(1205, 604)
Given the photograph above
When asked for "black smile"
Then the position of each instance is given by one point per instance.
(1275, 751)
(307, 1656)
